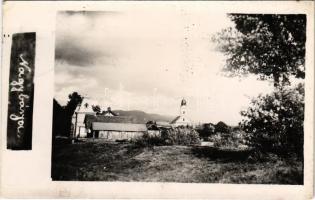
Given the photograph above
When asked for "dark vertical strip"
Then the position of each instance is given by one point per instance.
(21, 91)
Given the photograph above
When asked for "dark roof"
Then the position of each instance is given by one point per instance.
(89, 119)
(174, 120)
(101, 126)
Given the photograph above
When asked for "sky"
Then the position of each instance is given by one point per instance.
(149, 59)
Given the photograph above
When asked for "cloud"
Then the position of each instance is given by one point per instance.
(138, 60)
(76, 43)
(77, 54)
(90, 14)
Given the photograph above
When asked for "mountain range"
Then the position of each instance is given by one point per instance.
(143, 117)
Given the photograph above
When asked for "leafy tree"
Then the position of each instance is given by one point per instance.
(270, 46)
(207, 130)
(273, 48)
(75, 100)
(222, 127)
(59, 126)
(96, 108)
(274, 122)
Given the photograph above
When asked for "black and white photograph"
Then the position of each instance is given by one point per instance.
(157, 100)
(179, 95)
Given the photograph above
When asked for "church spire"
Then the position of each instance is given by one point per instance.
(183, 103)
(183, 108)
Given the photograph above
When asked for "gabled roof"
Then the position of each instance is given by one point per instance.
(89, 119)
(175, 120)
(101, 126)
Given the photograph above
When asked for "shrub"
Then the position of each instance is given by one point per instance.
(180, 136)
(235, 139)
(174, 136)
(206, 131)
(149, 140)
(222, 128)
(274, 122)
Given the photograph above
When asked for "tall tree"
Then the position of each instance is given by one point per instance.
(96, 108)
(75, 100)
(268, 45)
(273, 48)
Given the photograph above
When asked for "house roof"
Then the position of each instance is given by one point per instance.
(101, 126)
(161, 124)
(175, 120)
(89, 119)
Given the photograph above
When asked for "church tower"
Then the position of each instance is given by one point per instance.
(183, 110)
(181, 119)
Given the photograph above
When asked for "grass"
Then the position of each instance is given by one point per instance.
(102, 161)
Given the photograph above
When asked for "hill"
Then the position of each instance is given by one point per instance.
(143, 117)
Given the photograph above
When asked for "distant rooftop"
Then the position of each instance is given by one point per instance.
(101, 126)
(89, 119)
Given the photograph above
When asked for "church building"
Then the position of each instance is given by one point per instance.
(182, 119)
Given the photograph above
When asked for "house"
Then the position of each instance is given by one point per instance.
(83, 109)
(118, 131)
(181, 119)
(112, 127)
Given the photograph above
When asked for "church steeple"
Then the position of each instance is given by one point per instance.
(183, 109)
(183, 103)
(182, 119)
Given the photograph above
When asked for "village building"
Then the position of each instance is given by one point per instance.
(108, 125)
(84, 108)
(181, 119)
(118, 131)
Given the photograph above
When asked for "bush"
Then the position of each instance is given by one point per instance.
(149, 140)
(206, 131)
(222, 127)
(235, 139)
(180, 136)
(174, 136)
(274, 122)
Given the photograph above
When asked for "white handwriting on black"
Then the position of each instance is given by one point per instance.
(18, 86)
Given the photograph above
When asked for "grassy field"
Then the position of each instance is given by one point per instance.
(101, 161)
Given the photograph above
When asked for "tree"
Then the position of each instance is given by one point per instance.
(74, 101)
(222, 127)
(207, 130)
(270, 46)
(59, 126)
(96, 108)
(274, 122)
(273, 48)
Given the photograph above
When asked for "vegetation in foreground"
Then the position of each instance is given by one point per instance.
(101, 161)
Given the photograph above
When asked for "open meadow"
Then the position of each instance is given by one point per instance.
(97, 160)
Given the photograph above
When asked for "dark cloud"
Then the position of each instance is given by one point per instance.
(75, 53)
(91, 14)
(74, 44)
